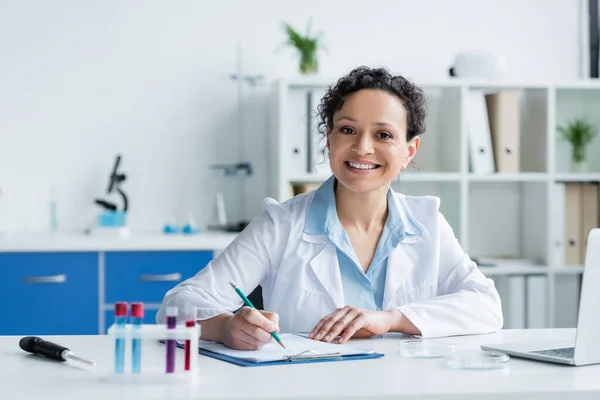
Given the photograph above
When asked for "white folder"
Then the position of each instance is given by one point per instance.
(481, 154)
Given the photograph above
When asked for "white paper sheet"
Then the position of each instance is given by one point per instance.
(295, 345)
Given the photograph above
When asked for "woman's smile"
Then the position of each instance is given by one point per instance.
(362, 167)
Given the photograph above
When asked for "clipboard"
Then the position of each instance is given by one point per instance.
(323, 353)
(299, 359)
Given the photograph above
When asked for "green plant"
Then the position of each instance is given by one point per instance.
(306, 45)
(579, 132)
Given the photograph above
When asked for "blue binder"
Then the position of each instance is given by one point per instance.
(289, 361)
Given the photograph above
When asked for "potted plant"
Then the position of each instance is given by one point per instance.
(307, 46)
(579, 132)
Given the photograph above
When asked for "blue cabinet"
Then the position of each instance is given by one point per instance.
(49, 293)
(58, 293)
(146, 276)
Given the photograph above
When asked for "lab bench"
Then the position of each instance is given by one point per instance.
(67, 285)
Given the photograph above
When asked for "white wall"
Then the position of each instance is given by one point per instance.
(83, 80)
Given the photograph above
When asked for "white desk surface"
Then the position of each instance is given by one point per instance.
(209, 240)
(24, 376)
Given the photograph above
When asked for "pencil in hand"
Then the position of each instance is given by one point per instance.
(249, 304)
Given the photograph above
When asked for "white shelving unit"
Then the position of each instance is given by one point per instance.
(500, 215)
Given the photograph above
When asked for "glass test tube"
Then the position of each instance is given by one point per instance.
(171, 323)
(190, 322)
(137, 315)
(120, 316)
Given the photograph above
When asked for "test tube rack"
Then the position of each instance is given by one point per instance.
(151, 337)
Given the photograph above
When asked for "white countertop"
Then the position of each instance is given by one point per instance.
(26, 376)
(73, 242)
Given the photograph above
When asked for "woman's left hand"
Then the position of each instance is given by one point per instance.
(351, 321)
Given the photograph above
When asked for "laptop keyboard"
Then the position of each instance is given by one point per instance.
(566, 352)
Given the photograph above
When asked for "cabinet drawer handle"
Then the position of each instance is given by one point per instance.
(161, 277)
(62, 278)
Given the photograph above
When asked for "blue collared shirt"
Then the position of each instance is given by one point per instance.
(361, 290)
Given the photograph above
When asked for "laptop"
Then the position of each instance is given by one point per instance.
(584, 349)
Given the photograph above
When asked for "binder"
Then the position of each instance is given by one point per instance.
(589, 214)
(573, 229)
(317, 161)
(581, 216)
(503, 112)
(303, 144)
(272, 354)
(480, 143)
(294, 138)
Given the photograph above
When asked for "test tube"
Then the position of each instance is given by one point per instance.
(120, 316)
(190, 322)
(137, 315)
(171, 323)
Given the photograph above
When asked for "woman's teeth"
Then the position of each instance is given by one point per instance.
(362, 166)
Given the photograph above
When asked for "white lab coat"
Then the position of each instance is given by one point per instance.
(429, 277)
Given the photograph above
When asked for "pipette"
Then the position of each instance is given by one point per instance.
(36, 345)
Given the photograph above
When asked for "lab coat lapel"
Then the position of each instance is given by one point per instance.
(400, 266)
(324, 264)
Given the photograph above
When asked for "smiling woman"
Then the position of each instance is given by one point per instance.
(352, 258)
(368, 141)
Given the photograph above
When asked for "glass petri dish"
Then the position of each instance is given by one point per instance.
(425, 349)
(476, 359)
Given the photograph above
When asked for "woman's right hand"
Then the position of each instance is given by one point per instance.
(249, 329)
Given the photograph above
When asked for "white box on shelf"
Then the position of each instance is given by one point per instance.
(481, 154)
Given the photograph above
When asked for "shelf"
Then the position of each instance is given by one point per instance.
(506, 84)
(496, 85)
(455, 177)
(508, 219)
(325, 81)
(571, 103)
(429, 177)
(519, 177)
(509, 270)
(581, 84)
(576, 177)
(517, 216)
(569, 270)
(531, 270)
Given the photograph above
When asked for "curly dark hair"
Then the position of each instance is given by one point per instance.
(380, 79)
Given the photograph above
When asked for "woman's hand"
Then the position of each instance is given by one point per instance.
(352, 322)
(249, 329)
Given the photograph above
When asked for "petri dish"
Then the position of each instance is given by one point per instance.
(476, 359)
(425, 349)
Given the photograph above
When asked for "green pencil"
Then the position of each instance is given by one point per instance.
(249, 304)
